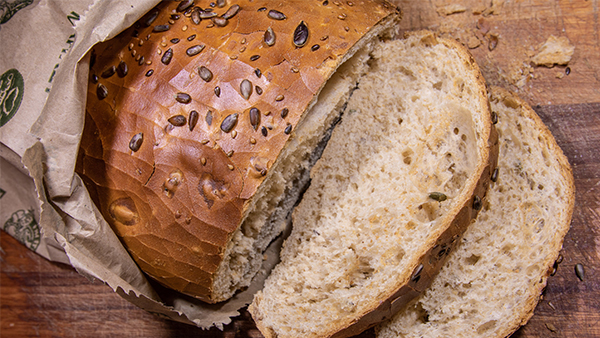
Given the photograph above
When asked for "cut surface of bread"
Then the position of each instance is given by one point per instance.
(492, 282)
(397, 178)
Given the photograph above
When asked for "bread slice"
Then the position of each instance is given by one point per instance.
(401, 174)
(491, 284)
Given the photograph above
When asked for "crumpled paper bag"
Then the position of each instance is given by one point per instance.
(44, 64)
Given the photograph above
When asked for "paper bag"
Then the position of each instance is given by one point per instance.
(44, 68)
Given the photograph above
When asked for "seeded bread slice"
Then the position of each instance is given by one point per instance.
(403, 174)
(491, 284)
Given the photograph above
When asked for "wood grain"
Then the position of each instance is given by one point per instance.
(43, 299)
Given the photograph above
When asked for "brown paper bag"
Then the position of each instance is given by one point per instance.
(44, 63)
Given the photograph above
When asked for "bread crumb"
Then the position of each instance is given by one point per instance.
(494, 9)
(555, 51)
(560, 75)
(473, 42)
(451, 9)
(478, 9)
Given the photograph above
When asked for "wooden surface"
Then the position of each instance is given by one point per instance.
(40, 298)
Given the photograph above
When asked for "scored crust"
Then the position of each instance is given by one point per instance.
(162, 154)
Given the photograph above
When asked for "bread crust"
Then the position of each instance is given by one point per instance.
(176, 199)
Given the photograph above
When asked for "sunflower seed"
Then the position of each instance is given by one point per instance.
(141, 60)
(110, 71)
(284, 112)
(276, 15)
(185, 4)
(175, 16)
(254, 117)
(438, 196)
(288, 129)
(193, 119)
(150, 18)
(246, 89)
(315, 47)
(495, 175)
(219, 21)
(257, 72)
(177, 120)
(417, 274)
(494, 117)
(122, 69)
(264, 131)
(477, 203)
(567, 71)
(160, 28)
(259, 90)
(579, 271)
(196, 16)
(136, 141)
(208, 117)
(95, 79)
(167, 56)
(101, 91)
(269, 37)
(150, 72)
(194, 50)
(218, 91)
(301, 35)
(231, 12)
(183, 98)
(205, 73)
(174, 40)
(229, 122)
(254, 57)
(191, 37)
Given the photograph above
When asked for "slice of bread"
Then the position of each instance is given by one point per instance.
(403, 174)
(491, 284)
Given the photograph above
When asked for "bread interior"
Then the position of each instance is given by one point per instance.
(491, 283)
(269, 211)
(400, 159)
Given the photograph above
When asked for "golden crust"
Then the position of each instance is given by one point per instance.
(176, 200)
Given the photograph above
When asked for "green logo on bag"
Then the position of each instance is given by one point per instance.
(8, 8)
(11, 94)
(23, 226)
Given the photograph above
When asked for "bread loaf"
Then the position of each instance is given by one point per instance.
(201, 122)
(403, 175)
(492, 282)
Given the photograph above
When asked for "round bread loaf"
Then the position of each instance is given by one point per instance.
(201, 121)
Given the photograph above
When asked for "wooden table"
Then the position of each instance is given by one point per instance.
(40, 298)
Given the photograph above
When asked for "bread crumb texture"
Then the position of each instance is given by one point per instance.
(492, 282)
(555, 51)
(408, 130)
